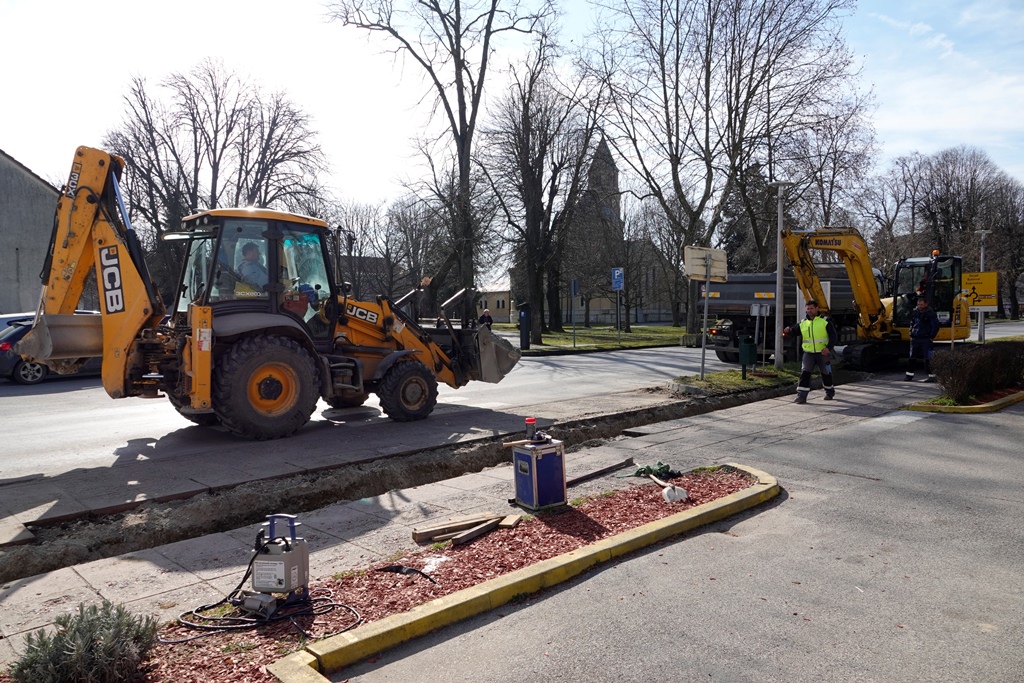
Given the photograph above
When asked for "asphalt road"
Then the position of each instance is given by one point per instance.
(894, 554)
(70, 423)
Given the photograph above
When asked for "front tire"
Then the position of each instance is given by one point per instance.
(266, 387)
(408, 391)
(29, 373)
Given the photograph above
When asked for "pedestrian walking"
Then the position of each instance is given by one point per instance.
(924, 325)
(818, 341)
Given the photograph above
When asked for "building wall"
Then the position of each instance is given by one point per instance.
(27, 204)
(500, 304)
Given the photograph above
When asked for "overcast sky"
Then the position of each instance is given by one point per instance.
(945, 73)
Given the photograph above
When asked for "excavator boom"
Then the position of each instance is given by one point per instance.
(850, 246)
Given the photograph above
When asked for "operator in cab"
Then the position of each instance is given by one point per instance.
(251, 269)
(818, 340)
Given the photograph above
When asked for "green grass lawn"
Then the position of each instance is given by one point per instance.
(605, 338)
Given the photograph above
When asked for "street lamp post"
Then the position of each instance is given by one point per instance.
(981, 314)
(779, 302)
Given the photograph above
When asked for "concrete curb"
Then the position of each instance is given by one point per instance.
(332, 654)
(990, 407)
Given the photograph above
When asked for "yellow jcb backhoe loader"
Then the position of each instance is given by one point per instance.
(259, 329)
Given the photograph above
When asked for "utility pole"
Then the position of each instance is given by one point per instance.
(779, 257)
(981, 314)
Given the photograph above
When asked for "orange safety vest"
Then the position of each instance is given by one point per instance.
(815, 334)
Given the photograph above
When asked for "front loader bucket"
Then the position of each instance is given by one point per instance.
(497, 356)
(63, 336)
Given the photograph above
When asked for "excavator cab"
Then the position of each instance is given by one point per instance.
(938, 279)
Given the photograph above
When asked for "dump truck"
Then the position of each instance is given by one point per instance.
(744, 309)
(258, 329)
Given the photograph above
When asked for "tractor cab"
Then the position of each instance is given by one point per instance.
(258, 262)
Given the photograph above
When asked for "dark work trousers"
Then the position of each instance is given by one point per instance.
(807, 365)
(920, 349)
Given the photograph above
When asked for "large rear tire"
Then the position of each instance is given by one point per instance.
(266, 387)
(185, 410)
(408, 391)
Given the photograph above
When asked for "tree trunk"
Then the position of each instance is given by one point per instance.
(554, 300)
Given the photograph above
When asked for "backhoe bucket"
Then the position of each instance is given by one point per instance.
(63, 336)
(497, 356)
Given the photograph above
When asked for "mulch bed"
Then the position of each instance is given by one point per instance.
(994, 396)
(242, 656)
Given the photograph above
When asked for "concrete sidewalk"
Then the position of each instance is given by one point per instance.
(167, 580)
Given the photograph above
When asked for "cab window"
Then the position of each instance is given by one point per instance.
(242, 268)
(303, 273)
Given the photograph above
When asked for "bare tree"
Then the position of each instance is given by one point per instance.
(956, 184)
(833, 155)
(700, 89)
(535, 157)
(210, 137)
(452, 42)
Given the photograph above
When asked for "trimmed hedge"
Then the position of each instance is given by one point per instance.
(974, 369)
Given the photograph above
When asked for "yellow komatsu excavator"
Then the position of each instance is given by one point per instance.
(259, 329)
(883, 324)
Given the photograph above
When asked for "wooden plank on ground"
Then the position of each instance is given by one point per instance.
(479, 530)
(424, 533)
(598, 473)
(509, 522)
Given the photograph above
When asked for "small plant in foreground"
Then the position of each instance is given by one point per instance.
(105, 644)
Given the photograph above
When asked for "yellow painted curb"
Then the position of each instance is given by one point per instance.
(336, 652)
(990, 407)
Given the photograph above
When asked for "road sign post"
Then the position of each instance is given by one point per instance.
(710, 265)
(618, 283)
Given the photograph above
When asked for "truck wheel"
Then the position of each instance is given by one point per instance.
(29, 373)
(347, 400)
(265, 388)
(185, 410)
(408, 391)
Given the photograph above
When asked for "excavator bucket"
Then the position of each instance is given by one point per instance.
(497, 356)
(63, 336)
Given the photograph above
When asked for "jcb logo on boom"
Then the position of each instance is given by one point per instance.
(72, 186)
(827, 242)
(362, 314)
(110, 276)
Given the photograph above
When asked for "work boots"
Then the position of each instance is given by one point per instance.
(830, 394)
(801, 398)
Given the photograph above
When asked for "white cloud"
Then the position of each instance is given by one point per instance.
(945, 73)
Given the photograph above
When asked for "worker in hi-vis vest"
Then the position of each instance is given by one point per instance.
(818, 341)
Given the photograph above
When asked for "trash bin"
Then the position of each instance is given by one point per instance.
(748, 351)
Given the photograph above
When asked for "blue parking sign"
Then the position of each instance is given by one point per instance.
(618, 279)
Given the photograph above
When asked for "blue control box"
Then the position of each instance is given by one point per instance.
(539, 474)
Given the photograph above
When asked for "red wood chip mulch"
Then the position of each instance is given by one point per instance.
(241, 656)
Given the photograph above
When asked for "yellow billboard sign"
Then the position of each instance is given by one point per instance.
(981, 290)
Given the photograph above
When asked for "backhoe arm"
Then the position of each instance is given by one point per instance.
(91, 232)
(848, 243)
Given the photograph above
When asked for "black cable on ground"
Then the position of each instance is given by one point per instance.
(307, 605)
